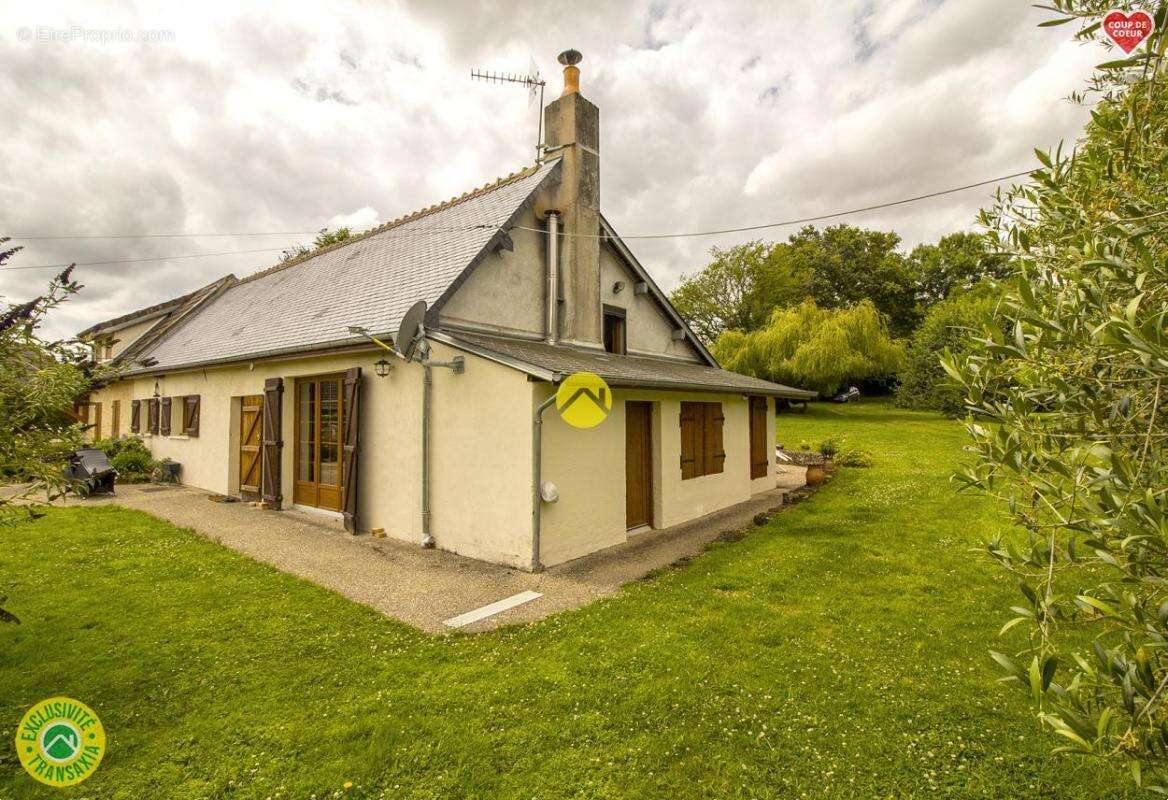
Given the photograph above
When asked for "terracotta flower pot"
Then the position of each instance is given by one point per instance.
(816, 475)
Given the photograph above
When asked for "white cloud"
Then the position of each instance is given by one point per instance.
(362, 219)
(713, 115)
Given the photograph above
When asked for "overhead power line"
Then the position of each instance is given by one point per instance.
(682, 235)
(804, 220)
(387, 234)
(159, 235)
(140, 260)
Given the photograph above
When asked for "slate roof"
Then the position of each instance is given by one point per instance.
(369, 280)
(629, 371)
(149, 311)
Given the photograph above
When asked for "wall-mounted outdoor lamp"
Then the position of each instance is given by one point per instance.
(383, 368)
(616, 287)
(157, 394)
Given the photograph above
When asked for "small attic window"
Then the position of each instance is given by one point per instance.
(614, 330)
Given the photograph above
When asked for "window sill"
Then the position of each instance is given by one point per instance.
(182, 437)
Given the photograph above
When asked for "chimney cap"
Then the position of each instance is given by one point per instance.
(570, 58)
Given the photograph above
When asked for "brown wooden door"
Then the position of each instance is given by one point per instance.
(759, 461)
(319, 415)
(638, 464)
(251, 413)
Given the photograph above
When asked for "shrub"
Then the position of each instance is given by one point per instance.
(947, 328)
(852, 457)
(830, 446)
(111, 447)
(129, 457)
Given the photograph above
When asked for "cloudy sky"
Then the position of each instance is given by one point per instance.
(128, 119)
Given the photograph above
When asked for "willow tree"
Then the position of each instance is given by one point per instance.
(814, 348)
(1068, 415)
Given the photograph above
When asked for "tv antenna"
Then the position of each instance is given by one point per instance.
(531, 80)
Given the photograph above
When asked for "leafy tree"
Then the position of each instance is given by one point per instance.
(849, 264)
(948, 327)
(1069, 419)
(738, 289)
(40, 381)
(958, 261)
(814, 348)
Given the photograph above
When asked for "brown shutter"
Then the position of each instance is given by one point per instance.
(351, 410)
(135, 416)
(164, 416)
(191, 415)
(714, 452)
(690, 436)
(759, 462)
(116, 421)
(152, 406)
(273, 445)
(96, 421)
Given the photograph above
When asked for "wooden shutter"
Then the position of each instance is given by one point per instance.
(191, 415)
(715, 454)
(135, 416)
(116, 421)
(96, 420)
(152, 419)
(164, 416)
(273, 444)
(759, 461)
(351, 410)
(691, 425)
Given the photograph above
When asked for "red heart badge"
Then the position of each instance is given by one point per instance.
(1128, 30)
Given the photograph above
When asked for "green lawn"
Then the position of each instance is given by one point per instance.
(838, 652)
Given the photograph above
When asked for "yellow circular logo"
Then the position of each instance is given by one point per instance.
(60, 741)
(584, 400)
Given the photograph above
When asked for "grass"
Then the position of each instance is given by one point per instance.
(838, 652)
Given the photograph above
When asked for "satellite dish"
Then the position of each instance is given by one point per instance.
(409, 332)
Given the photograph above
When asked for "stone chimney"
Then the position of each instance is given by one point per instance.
(572, 132)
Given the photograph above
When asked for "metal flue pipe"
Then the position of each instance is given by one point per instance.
(553, 276)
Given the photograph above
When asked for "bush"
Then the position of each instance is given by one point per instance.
(852, 457)
(129, 457)
(111, 447)
(924, 385)
(830, 446)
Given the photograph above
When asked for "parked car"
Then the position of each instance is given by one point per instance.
(852, 393)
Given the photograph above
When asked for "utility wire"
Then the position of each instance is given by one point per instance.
(802, 220)
(691, 234)
(160, 235)
(139, 260)
(385, 235)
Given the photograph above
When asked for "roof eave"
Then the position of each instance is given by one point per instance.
(349, 344)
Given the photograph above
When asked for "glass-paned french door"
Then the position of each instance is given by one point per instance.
(318, 441)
